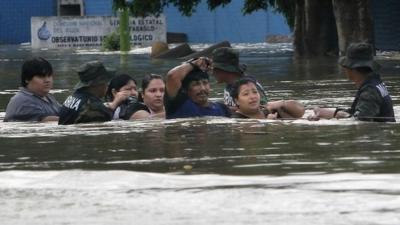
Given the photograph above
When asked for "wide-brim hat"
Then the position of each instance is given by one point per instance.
(359, 55)
(93, 73)
(227, 59)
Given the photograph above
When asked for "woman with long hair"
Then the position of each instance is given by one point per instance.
(151, 99)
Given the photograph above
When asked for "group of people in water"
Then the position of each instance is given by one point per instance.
(184, 92)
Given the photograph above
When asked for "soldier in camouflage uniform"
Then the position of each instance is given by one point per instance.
(372, 101)
(86, 104)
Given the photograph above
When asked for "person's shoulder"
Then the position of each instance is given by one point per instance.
(225, 109)
(133, 108)
(22, 98)
(369, 90)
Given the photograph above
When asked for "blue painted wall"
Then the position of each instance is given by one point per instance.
(98, 7)
(15, 18)
(227, 23)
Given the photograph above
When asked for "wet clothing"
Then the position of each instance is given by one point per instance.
(26, 106)
(183, 107)
(127, 109)
(133, 108)
(239, 116)
(83, 107)
(373, 102)
(228, 100)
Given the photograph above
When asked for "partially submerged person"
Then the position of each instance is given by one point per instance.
(33, 102)
(226, 69)
(122, 83)
(188, 89)
(86, 104)
(151, 100)
(247, 99)
(372, 101)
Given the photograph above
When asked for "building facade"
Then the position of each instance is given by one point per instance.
(204, 26)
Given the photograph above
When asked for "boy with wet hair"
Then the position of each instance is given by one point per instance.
(33, 102)
(188, 89)
(372, 101)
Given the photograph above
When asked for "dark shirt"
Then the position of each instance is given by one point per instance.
(238, 115)
(26, 106)
(133, 108)
(183, 107)
(373, 102)
(83, 107)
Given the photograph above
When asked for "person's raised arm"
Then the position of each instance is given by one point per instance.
(176, 75)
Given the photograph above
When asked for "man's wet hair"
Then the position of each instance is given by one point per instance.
(36, 66)
(194, 75)
(236, 86)
(117, 83)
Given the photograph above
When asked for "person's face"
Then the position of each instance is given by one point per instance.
(198, 91)
(346, 71)
(153, 95)
(40, 85)
(349, 73)
(130, 87)
(248, 99)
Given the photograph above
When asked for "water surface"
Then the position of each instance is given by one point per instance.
(208, 170)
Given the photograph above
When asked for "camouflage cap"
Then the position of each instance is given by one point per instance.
(93, 73)
(227, 59)
(359, 55)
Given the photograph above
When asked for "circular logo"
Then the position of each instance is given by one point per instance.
(43, 33)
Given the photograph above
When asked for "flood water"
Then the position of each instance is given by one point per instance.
(208, 170)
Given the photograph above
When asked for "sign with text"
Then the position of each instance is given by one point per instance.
(89, 32)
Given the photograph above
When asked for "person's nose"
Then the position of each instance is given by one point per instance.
(159, 93)
(133, 92)
(203, 87)
(253, 96)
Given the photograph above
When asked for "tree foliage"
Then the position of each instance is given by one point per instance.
(188, 7)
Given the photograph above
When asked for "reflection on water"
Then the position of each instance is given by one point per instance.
(121, 197)
(202, 171)
(207, 145)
